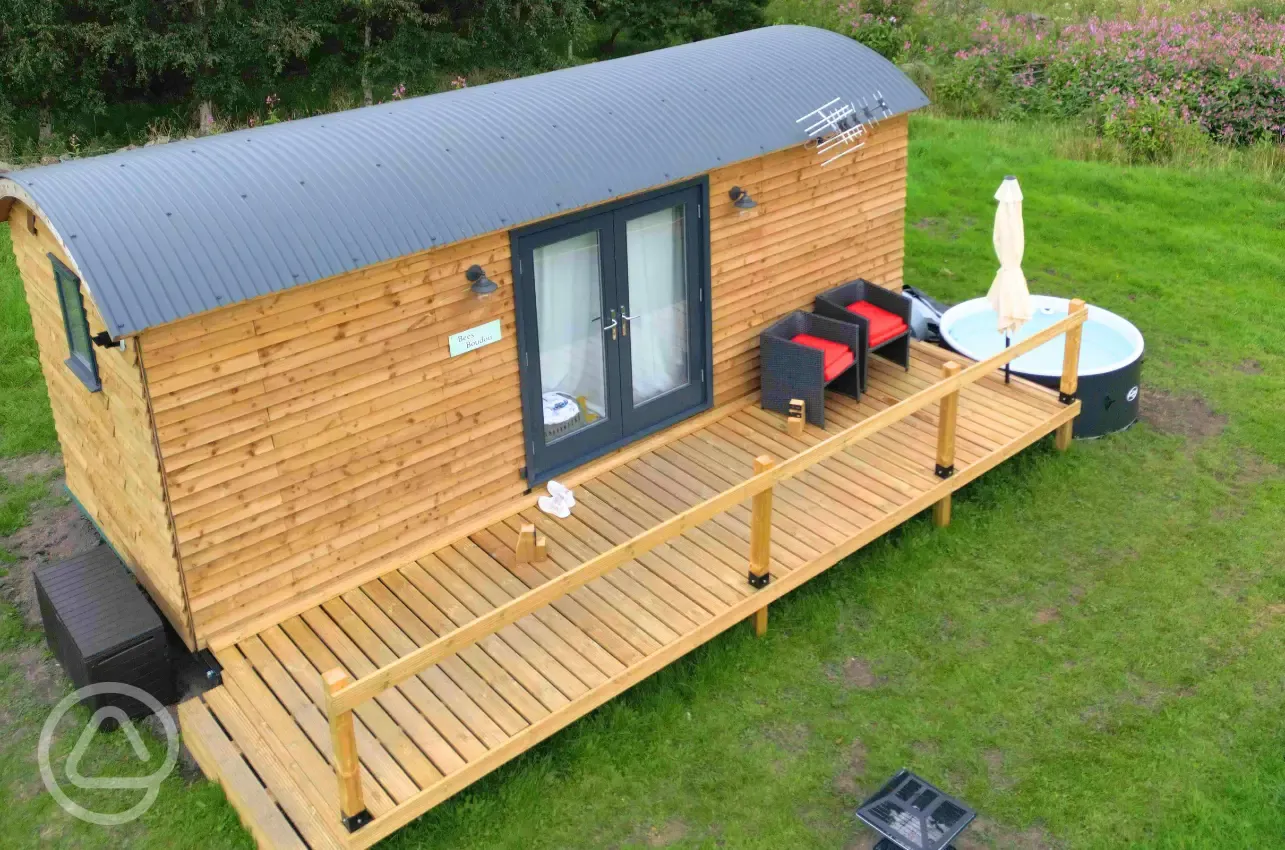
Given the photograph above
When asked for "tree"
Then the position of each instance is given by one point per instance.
(523, 35)
(650, 24)
(386, 33)
(227, 48)
(47, 66)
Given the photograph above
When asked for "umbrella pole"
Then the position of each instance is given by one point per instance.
(1008, 364)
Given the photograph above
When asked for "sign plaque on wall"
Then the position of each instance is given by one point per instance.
(466, 341)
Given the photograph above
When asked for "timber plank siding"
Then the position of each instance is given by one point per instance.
(107, 437)
(321, 433)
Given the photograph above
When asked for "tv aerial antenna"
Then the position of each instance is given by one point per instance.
(841, 128)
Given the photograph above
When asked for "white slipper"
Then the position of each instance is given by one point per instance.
(559, 502)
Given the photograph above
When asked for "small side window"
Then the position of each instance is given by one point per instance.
(82, 362)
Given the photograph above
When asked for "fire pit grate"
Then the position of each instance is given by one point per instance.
(913, 814)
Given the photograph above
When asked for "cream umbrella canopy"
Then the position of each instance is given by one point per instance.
(1008, 295)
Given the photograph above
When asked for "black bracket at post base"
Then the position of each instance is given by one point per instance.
(213, 669)
(759, 582)
(1064, 398)
(357, 821)
(945, 471)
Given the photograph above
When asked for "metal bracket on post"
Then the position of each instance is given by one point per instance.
(357, 821)
(944, 471)
(213, 669)
(1065, 398)
(759, 582)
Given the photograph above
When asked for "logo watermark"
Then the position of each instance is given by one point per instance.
(150, 785)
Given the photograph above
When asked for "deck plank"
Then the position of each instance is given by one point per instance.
(437, 732)
(219, 756)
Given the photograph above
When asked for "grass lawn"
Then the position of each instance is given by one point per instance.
(1093, 654)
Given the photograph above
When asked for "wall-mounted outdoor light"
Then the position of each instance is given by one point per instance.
(479, 283)
(741, 199)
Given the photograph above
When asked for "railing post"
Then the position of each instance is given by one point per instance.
(1070, 374)
(761, 541)
(947, 414)
(343, 740)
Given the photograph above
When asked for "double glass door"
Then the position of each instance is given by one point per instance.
(612, 327)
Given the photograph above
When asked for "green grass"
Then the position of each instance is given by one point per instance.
(1092, 653)
(26, 423)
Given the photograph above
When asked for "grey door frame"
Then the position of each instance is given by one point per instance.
(544, 461)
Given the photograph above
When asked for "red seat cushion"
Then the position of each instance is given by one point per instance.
(835, 368)
(837, 356)
(883, 325)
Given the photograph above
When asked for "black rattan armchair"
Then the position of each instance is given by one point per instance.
(794, 369)
(884, 316)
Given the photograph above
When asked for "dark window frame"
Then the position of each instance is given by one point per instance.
(83, 363)
(519, 238)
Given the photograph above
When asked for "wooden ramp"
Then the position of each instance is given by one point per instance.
(265, 733)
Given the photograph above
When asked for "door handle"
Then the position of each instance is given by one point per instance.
(611, 327)
(624, 317)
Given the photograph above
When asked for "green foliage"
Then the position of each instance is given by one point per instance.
(107, 69)
(26, 422)
(647, 24)
(1149, 132)
(882, 25)
(44, 51)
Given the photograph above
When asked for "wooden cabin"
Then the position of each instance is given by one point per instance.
(309, 380)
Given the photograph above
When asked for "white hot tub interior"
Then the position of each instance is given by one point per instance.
(1109, 342)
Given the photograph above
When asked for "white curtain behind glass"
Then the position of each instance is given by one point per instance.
(658, 300)
(568, 300)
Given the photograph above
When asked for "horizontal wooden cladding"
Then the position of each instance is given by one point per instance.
(318, 433)
(313, 432)
(106, 437)
(815, 227)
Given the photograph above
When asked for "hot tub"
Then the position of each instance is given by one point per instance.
(1110, 357)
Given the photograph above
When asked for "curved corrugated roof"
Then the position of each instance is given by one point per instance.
(173, 230)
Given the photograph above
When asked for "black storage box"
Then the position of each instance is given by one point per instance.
(102, 628)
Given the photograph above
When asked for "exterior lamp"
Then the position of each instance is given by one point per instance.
(741, 199)
(479, 283)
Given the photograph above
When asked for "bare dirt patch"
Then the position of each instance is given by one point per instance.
(999, 778)
(41, 674)
(1250, 366)
(857, 673)
(1044, 616)
(985, 834)
(794, 738)
(1243, 479)
(18, 469)
(925, 750)
(1268, 617)
(1187, 416)
(849, 781)
(666, 834)
(54, 534)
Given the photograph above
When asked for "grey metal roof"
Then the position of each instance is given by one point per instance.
(173, 230)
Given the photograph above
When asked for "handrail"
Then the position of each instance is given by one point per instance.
(350, 696)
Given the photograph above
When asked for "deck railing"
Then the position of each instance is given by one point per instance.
(343, 694)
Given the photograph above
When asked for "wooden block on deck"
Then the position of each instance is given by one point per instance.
(794, 422)
(526, 548)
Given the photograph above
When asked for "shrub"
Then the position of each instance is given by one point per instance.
(881, 25)
(1221, 71)
(1148, 131)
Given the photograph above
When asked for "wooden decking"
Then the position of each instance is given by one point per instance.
(264, 734)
